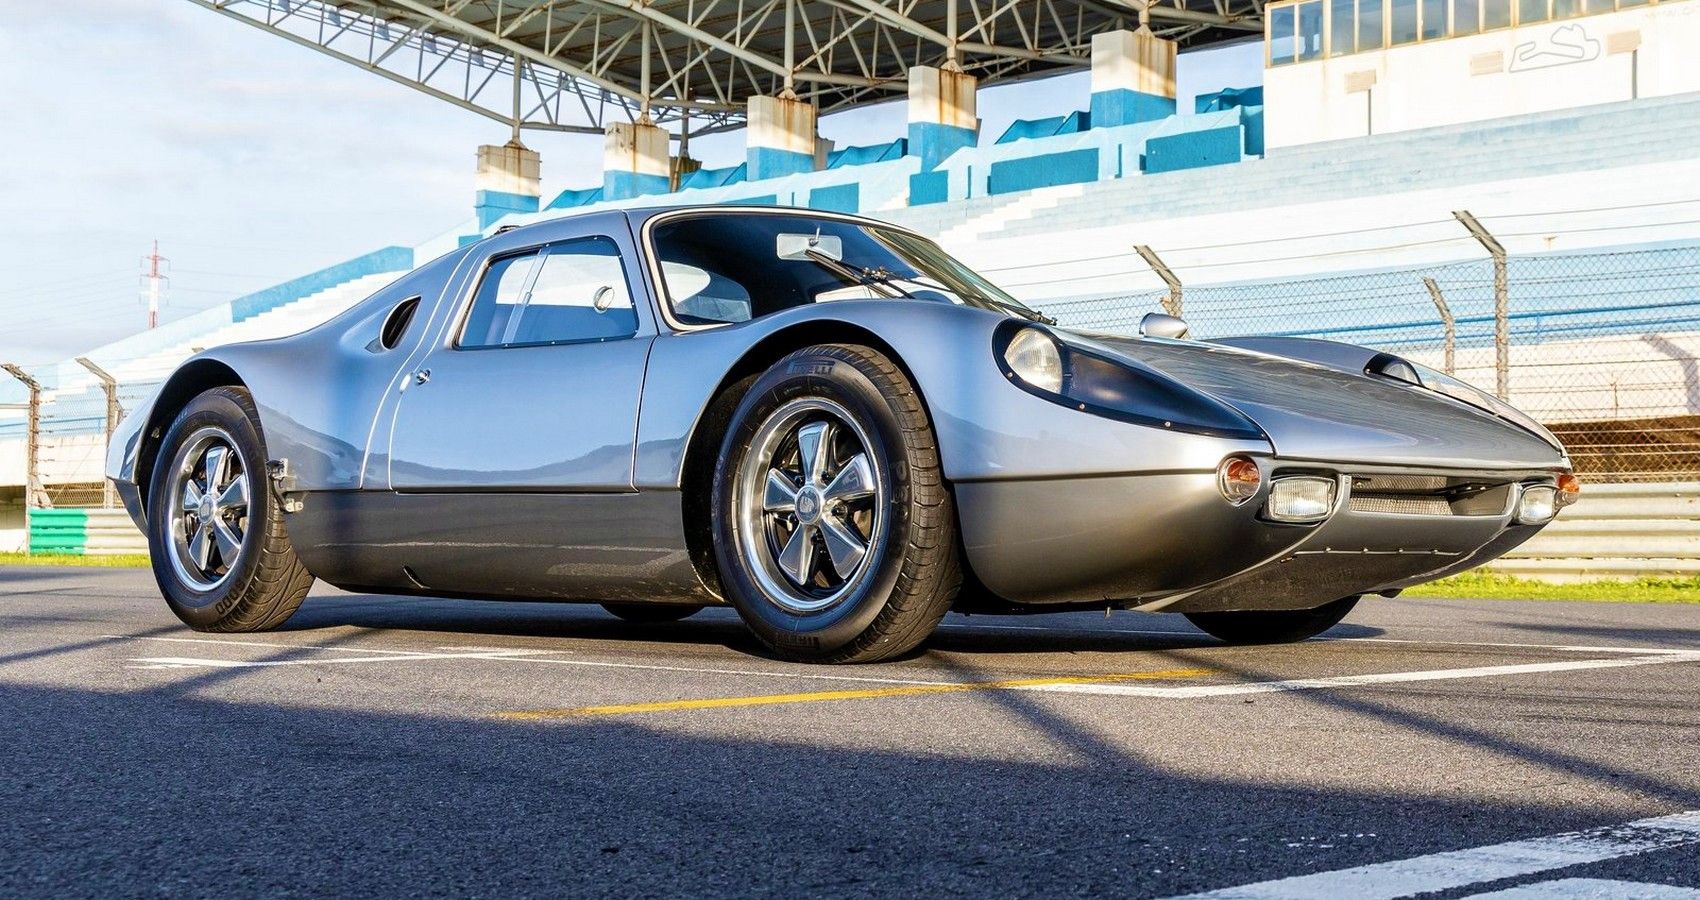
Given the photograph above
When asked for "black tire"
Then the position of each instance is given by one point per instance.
(651, 613)
(910, 571)
(1275, 626)
(265, 583)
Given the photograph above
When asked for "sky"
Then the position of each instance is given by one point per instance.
(252, 160)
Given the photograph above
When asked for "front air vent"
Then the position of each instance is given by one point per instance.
(1401, 506)
(1427, 495)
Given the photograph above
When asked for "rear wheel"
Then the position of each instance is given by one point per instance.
(834, 531)
(651, 613)
(1273, 626)
(215, 534)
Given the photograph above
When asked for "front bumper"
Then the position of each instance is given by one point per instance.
(1170, 541)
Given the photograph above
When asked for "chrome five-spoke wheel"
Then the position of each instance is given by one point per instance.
(809, 504)
(210, 486)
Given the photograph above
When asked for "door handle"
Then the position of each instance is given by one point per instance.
(421, 376)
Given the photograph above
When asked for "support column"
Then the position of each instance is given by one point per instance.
(781, 137)
(942, 114)
(507, 181)
(1133, 77)
(634, 160)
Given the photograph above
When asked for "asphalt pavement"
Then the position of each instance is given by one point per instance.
(384, 746)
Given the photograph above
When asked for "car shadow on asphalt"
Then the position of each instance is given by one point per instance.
(1034, 634)
(167, 785)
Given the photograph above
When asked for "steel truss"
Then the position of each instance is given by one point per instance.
(691, 65)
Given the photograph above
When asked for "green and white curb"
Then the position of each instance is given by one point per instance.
(84, 532)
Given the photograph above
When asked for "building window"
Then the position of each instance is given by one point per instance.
(1466, 16)
(1369, 24)
(1302, 30)
(1281, 42)
(1342, 27)
(1310, 30)
(1403, 28)
(1434, 19)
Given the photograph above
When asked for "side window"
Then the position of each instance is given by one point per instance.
(564, 293)
(705, 296)
(580, 295)
(499, 295)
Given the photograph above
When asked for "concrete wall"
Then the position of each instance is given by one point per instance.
(1646, 52)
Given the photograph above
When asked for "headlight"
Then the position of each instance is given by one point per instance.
(1301, 498)
(1034, 357)
(1035, 361)
(1538, 504)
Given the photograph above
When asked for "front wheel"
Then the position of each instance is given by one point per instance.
(215, 534)
(1273, 626)
(834, 530)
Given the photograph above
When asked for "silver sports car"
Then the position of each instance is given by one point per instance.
(825, 422)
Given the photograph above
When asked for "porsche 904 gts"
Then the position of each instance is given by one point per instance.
(825, 422)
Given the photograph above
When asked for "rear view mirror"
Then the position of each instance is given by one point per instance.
(1163, 325)
(797, 246)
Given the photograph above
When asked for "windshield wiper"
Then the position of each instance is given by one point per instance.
(1025, 312)
(885, 278)
(863, 277)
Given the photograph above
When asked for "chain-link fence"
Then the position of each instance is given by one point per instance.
(1603, 348)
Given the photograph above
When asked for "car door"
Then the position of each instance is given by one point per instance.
(537, 388)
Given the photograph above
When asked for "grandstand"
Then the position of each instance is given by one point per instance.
(1314, 204)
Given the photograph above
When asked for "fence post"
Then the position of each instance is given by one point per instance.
(1501, 303)
(1171, 304)
(109, 386)
(34, 496)
(1446, 321)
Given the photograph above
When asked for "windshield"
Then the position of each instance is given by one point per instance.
(733, 267)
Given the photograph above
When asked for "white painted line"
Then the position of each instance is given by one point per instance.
(754, 673)
(179, 662)
(1591, 889)
(1566, 648)
(1345, 681)
(506, 656)
(275, 646)
(1460, 868)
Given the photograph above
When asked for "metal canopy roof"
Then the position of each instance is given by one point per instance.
(576, 65)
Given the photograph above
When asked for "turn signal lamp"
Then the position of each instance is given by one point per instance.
(1569, 489)
(1238, 478)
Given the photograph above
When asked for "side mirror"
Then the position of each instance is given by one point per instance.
(1163, 325)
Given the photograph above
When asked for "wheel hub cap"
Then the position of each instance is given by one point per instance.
(810, 505)
(209, 525)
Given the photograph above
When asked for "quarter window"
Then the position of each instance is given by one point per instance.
(565, 293)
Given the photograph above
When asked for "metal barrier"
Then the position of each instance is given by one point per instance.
(84, 532)
(1617, 531)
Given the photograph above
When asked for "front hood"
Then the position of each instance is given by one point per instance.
(1312, 412)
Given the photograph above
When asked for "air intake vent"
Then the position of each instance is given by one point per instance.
(1402, 506)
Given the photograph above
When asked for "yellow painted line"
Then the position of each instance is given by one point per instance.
(859, 694)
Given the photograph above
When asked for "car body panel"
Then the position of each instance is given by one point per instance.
(560, 471)
(1317, 412)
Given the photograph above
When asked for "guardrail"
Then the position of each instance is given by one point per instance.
(1616, 531)
(84, 532)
